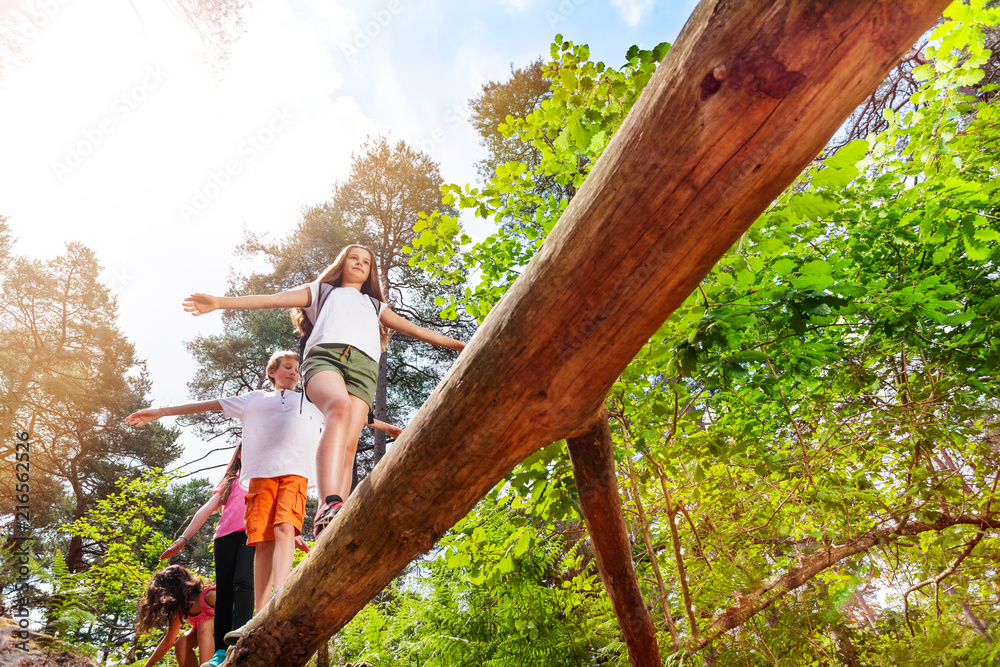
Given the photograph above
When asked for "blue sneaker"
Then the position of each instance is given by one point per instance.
(217, 658)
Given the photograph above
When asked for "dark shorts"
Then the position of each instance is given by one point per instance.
(360, 372)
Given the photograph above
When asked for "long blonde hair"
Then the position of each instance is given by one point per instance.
(333, 275)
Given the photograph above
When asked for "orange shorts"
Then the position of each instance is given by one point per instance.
(272, 500)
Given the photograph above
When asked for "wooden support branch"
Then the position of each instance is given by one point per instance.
(592, 456)
(747, 96)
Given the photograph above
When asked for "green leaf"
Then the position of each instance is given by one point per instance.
(522, 544)
(783, 266)
(812, 205)
(816, 267)
(749, 355)
(848, 155)
(461, 559)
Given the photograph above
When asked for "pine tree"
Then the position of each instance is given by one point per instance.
(71, 377)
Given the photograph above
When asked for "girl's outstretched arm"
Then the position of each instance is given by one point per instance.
(149, 414)
(199, 304)
(166, 643)
(197, 521)
(404, 326)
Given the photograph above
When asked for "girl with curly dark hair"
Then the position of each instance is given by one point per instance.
(173, 595)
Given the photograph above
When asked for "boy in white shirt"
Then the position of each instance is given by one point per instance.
(280, 435)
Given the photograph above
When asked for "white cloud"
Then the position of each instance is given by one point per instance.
(633, 11)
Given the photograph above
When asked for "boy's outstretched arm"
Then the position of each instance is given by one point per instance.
(149, 414)
(199, 304)
(390, 430)
(406, 327)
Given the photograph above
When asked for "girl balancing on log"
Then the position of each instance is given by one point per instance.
(344, 319)
(172, 595)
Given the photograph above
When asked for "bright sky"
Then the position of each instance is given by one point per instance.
(114, 134)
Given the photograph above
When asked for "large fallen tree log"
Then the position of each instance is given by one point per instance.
(747, 96)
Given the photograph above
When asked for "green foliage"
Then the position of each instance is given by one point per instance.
(179, 503)
(97, 606)
(500, 590)
(569, 131)
(838, 365)
(522, 93)
(68, 608)
(834, 374)
(940, 644)
(71, 377)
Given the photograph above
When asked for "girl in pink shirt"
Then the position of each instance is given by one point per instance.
(233, 558)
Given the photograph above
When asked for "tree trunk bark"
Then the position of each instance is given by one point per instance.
(74, 553)
(862, 604)
(592, 456)
(748, 95)
(679, 559)
(323, 655)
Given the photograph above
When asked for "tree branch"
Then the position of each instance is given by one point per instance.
(811, 565)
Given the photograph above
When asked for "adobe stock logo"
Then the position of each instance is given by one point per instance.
(364, 35)
(122, 107)
(566, 9)
(26, 24)
(246, 152)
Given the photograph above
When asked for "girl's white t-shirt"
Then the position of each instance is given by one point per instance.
(278, 439)
(348, 318)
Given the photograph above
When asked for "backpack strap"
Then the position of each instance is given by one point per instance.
(324, 292)
(375, 303)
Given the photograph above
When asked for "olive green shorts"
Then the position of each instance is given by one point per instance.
(360, 372)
